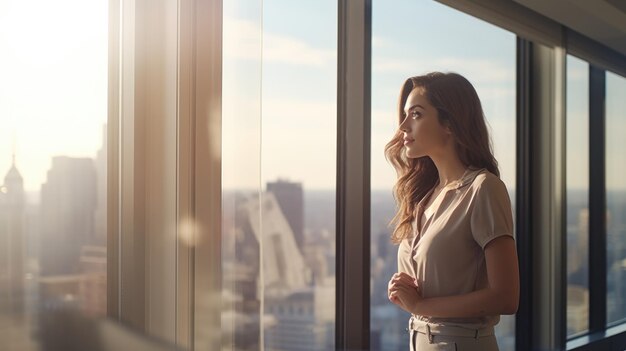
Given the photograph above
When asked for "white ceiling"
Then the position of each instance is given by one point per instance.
(601, 20)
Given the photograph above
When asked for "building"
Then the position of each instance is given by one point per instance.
(290, 197)
(68, 203)
(296, 315)
(12, 243)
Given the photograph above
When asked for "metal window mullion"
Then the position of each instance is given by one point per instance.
(156, 113)
(184, 176)
(207, 170)
(597, 201)
(131, 265)
(146, 266)
(546, 205)
(523, 321)
(353, 175)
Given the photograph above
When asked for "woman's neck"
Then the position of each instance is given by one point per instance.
(449, 167)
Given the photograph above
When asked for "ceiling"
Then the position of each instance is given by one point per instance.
(600, 20)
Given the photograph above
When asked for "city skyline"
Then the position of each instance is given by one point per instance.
(53, 95)
(386, 316)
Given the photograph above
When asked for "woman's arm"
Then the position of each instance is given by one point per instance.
(501, 297)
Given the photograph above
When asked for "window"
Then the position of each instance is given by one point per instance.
(616, 197)
(279, 157)
(53, 167)
(401, 49)
(577, 184)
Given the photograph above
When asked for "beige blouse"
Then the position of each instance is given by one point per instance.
(447, 255)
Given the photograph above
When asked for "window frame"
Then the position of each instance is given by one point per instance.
(352, 289)
(195, 67)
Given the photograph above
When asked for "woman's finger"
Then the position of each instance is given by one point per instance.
(407, 278)
(405, 281)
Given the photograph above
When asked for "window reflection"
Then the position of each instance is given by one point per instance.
(400, 50)
(616, 197)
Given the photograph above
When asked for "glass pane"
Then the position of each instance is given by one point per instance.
(279, 135)
(298, 168)
(616, 197)
(577, 185)
(53, 109)
(241, 140)
(401, 49)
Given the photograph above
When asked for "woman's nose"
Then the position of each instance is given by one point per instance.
(404, 127)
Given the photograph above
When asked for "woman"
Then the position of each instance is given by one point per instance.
(457, 262)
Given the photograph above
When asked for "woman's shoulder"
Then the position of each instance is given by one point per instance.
(487, 181)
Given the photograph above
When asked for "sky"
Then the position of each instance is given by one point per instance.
(279, 85)
(54, 82)
(294, 105)
(296, 99)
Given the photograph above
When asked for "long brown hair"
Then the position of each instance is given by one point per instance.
(459, 108)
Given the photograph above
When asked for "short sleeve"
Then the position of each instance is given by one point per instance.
(405, 257)
(491, 212)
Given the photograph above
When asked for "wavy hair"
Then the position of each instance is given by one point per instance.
(459, 108)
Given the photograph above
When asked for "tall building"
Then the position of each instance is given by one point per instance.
(12, 242)
(290, 197)
(263, 238)
(283, 265)
(68, 203)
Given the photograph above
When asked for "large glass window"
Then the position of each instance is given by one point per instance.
(279, 173)
(408, 40)
(53, 152)
(616, 197)
(577, 195)
(241, 125)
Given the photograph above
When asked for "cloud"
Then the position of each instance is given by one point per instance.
(284, 49)
(296, 114)
(481, 69)
(243, 39)
(379, 42)
(295, 139)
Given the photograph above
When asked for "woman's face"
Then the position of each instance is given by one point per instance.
(423, 134)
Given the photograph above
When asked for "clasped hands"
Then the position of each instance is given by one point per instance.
(404, 291)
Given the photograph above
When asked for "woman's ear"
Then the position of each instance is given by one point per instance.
(447, 128)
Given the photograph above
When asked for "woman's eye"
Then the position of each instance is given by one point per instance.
(415, 114)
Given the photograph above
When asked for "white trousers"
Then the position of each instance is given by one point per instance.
(426, 337)
(421, 342)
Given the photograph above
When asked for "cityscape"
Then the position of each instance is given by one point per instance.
(53, 249)
(278, 261)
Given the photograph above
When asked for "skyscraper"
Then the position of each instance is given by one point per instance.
(12, 242)
(68, 203)
(290, 197)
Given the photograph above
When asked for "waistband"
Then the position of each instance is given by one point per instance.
(447, 330)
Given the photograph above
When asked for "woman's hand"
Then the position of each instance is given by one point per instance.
(404, 291)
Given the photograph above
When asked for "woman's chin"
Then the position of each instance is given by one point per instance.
(412, 154)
